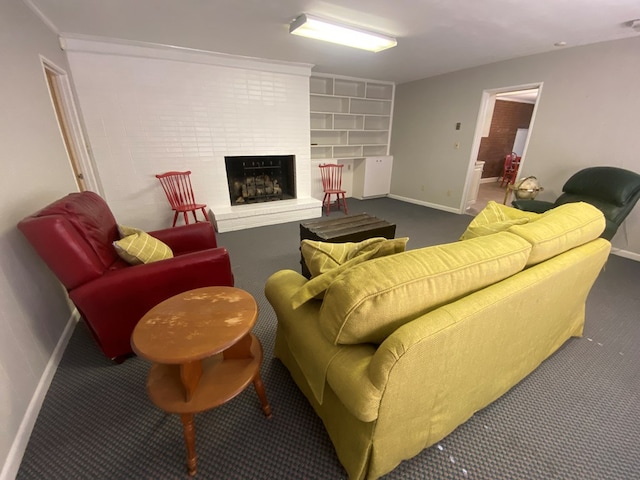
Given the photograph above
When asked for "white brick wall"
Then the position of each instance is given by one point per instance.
(148, 111)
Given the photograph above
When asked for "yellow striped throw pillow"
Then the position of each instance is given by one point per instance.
(136, 247)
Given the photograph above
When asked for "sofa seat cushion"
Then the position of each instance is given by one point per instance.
(560, 229)
(495, 218)
(371, 300)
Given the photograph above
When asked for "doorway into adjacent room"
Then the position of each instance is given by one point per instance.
(504, 127)
(68, 121)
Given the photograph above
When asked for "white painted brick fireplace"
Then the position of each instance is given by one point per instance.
(149, 109)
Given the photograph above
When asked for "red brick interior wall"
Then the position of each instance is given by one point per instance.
(507, 118)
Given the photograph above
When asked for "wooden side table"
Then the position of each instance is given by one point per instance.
(203, 351)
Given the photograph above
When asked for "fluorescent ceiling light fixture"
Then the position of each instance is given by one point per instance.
(313, 27)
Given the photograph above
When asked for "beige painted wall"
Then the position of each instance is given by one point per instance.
(35, 171)
(589, 114)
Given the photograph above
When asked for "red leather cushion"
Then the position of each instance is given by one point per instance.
(74, 237)
(89, 214)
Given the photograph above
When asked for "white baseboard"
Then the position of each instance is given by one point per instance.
(425, 204)
(489, 179)
(626, 254)
(12, 463)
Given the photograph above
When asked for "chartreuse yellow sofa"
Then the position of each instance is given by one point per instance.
(395, 350)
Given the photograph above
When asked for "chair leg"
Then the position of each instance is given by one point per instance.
(195, 219)
(326, 201)
(175, 219)
(204, 212)
(344, 204)
(186, 218)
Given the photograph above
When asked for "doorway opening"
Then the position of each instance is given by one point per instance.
(69, 124)
(505, 123)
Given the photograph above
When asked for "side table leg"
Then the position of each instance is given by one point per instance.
(190, 441)
(259, 386)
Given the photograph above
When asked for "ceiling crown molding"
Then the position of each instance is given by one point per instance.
(109, 46)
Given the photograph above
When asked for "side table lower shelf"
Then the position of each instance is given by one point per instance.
(222, 379)
(224, 376)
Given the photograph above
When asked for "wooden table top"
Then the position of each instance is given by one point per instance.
(344, 226)
(194, 325)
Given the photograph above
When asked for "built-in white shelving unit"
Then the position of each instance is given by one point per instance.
(350, 118)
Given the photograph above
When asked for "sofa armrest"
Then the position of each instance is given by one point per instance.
(187, 238)
(536, 206)
(114, 303)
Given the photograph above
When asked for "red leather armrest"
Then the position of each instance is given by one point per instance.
(187, 238)
(113, 304)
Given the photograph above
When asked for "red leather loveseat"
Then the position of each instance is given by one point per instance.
(74, 236)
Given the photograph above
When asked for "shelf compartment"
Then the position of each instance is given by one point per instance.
(348, 122)
(347, 152)
(374, 150)
(321, 85)
(321, 152)
(349, 88)
(321, 121)
(329, 104)
(379, 91)
(328, 137)
(376, 123)
(368, 138)
(372, 107)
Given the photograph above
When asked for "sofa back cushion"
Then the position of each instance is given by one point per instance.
(560, 229)
(494, 218)
(371, 300)
(74, 236)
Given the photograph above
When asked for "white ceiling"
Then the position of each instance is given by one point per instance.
(434, 36)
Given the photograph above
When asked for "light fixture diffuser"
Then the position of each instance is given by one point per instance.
(313, 27)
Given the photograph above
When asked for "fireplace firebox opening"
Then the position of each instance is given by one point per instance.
(261, 178)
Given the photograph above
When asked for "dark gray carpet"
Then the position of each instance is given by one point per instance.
(575, 417)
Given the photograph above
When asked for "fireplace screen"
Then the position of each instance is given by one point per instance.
(265, 178)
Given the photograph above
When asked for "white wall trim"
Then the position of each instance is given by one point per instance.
(76, 134)
(102, 45)
(425, 204)
(489, 179)
(626, 254)
(487, 96)
(42, 16)
(19, 445)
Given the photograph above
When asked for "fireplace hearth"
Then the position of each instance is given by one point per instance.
(262, 178)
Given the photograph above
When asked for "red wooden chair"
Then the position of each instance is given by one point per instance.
(510, 170)
(332, 185)
(177, 187)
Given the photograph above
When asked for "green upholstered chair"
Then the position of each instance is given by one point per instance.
(612, 190)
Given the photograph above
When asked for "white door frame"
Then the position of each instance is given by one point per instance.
(74, 130)
(485, 114)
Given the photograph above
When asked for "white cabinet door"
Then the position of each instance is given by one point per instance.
(372, 177)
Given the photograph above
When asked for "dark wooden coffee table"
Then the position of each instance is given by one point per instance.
(352, 228)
